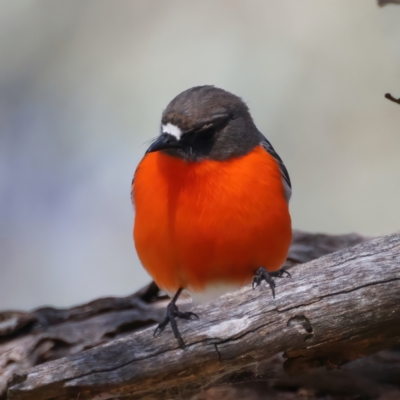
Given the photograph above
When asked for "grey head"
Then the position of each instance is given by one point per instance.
(206, 122)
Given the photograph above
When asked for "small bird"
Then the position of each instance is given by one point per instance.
(211, 197)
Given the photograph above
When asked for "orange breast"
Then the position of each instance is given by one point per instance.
(199, 223)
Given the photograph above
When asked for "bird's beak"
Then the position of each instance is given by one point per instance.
(164, 141)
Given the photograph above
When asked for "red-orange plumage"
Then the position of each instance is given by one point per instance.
(199, 223)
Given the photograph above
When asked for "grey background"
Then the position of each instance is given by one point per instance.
(82, 88)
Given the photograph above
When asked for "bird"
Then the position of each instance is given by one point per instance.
(211, 199)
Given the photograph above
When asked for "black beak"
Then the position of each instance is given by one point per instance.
(164, 141)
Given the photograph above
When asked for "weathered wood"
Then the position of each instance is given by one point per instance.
(335, 309)
(31, 338)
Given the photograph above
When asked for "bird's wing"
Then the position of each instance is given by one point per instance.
(285, 175)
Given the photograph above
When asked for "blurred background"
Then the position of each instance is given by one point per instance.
(82, 88)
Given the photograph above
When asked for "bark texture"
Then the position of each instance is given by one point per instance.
(333, 310)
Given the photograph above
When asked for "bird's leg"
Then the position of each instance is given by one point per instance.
(263, 275)
(172, 314)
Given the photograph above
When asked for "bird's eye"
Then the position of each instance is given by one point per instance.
(207, 134)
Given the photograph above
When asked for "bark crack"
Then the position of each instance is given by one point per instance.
(350, 290)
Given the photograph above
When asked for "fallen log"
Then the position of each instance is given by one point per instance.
(338, 308)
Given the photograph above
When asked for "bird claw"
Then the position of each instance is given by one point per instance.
(173, 313)
(187, 315)
(160, 327)
(281, 273)
(263, 275)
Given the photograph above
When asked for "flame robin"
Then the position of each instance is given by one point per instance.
(211, 197)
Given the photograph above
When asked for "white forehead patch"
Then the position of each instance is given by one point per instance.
(172, 130)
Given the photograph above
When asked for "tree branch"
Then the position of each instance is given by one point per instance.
(335, 309)
(382, 3)
(391, 98)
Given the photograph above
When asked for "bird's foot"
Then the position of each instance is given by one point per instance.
(173, 313)
(280, 273)
(263, 275)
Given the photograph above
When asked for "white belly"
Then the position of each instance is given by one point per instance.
(211, 292)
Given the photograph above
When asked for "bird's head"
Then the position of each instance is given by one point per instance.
(206, 122)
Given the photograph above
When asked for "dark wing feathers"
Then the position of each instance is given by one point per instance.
(285, 175)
